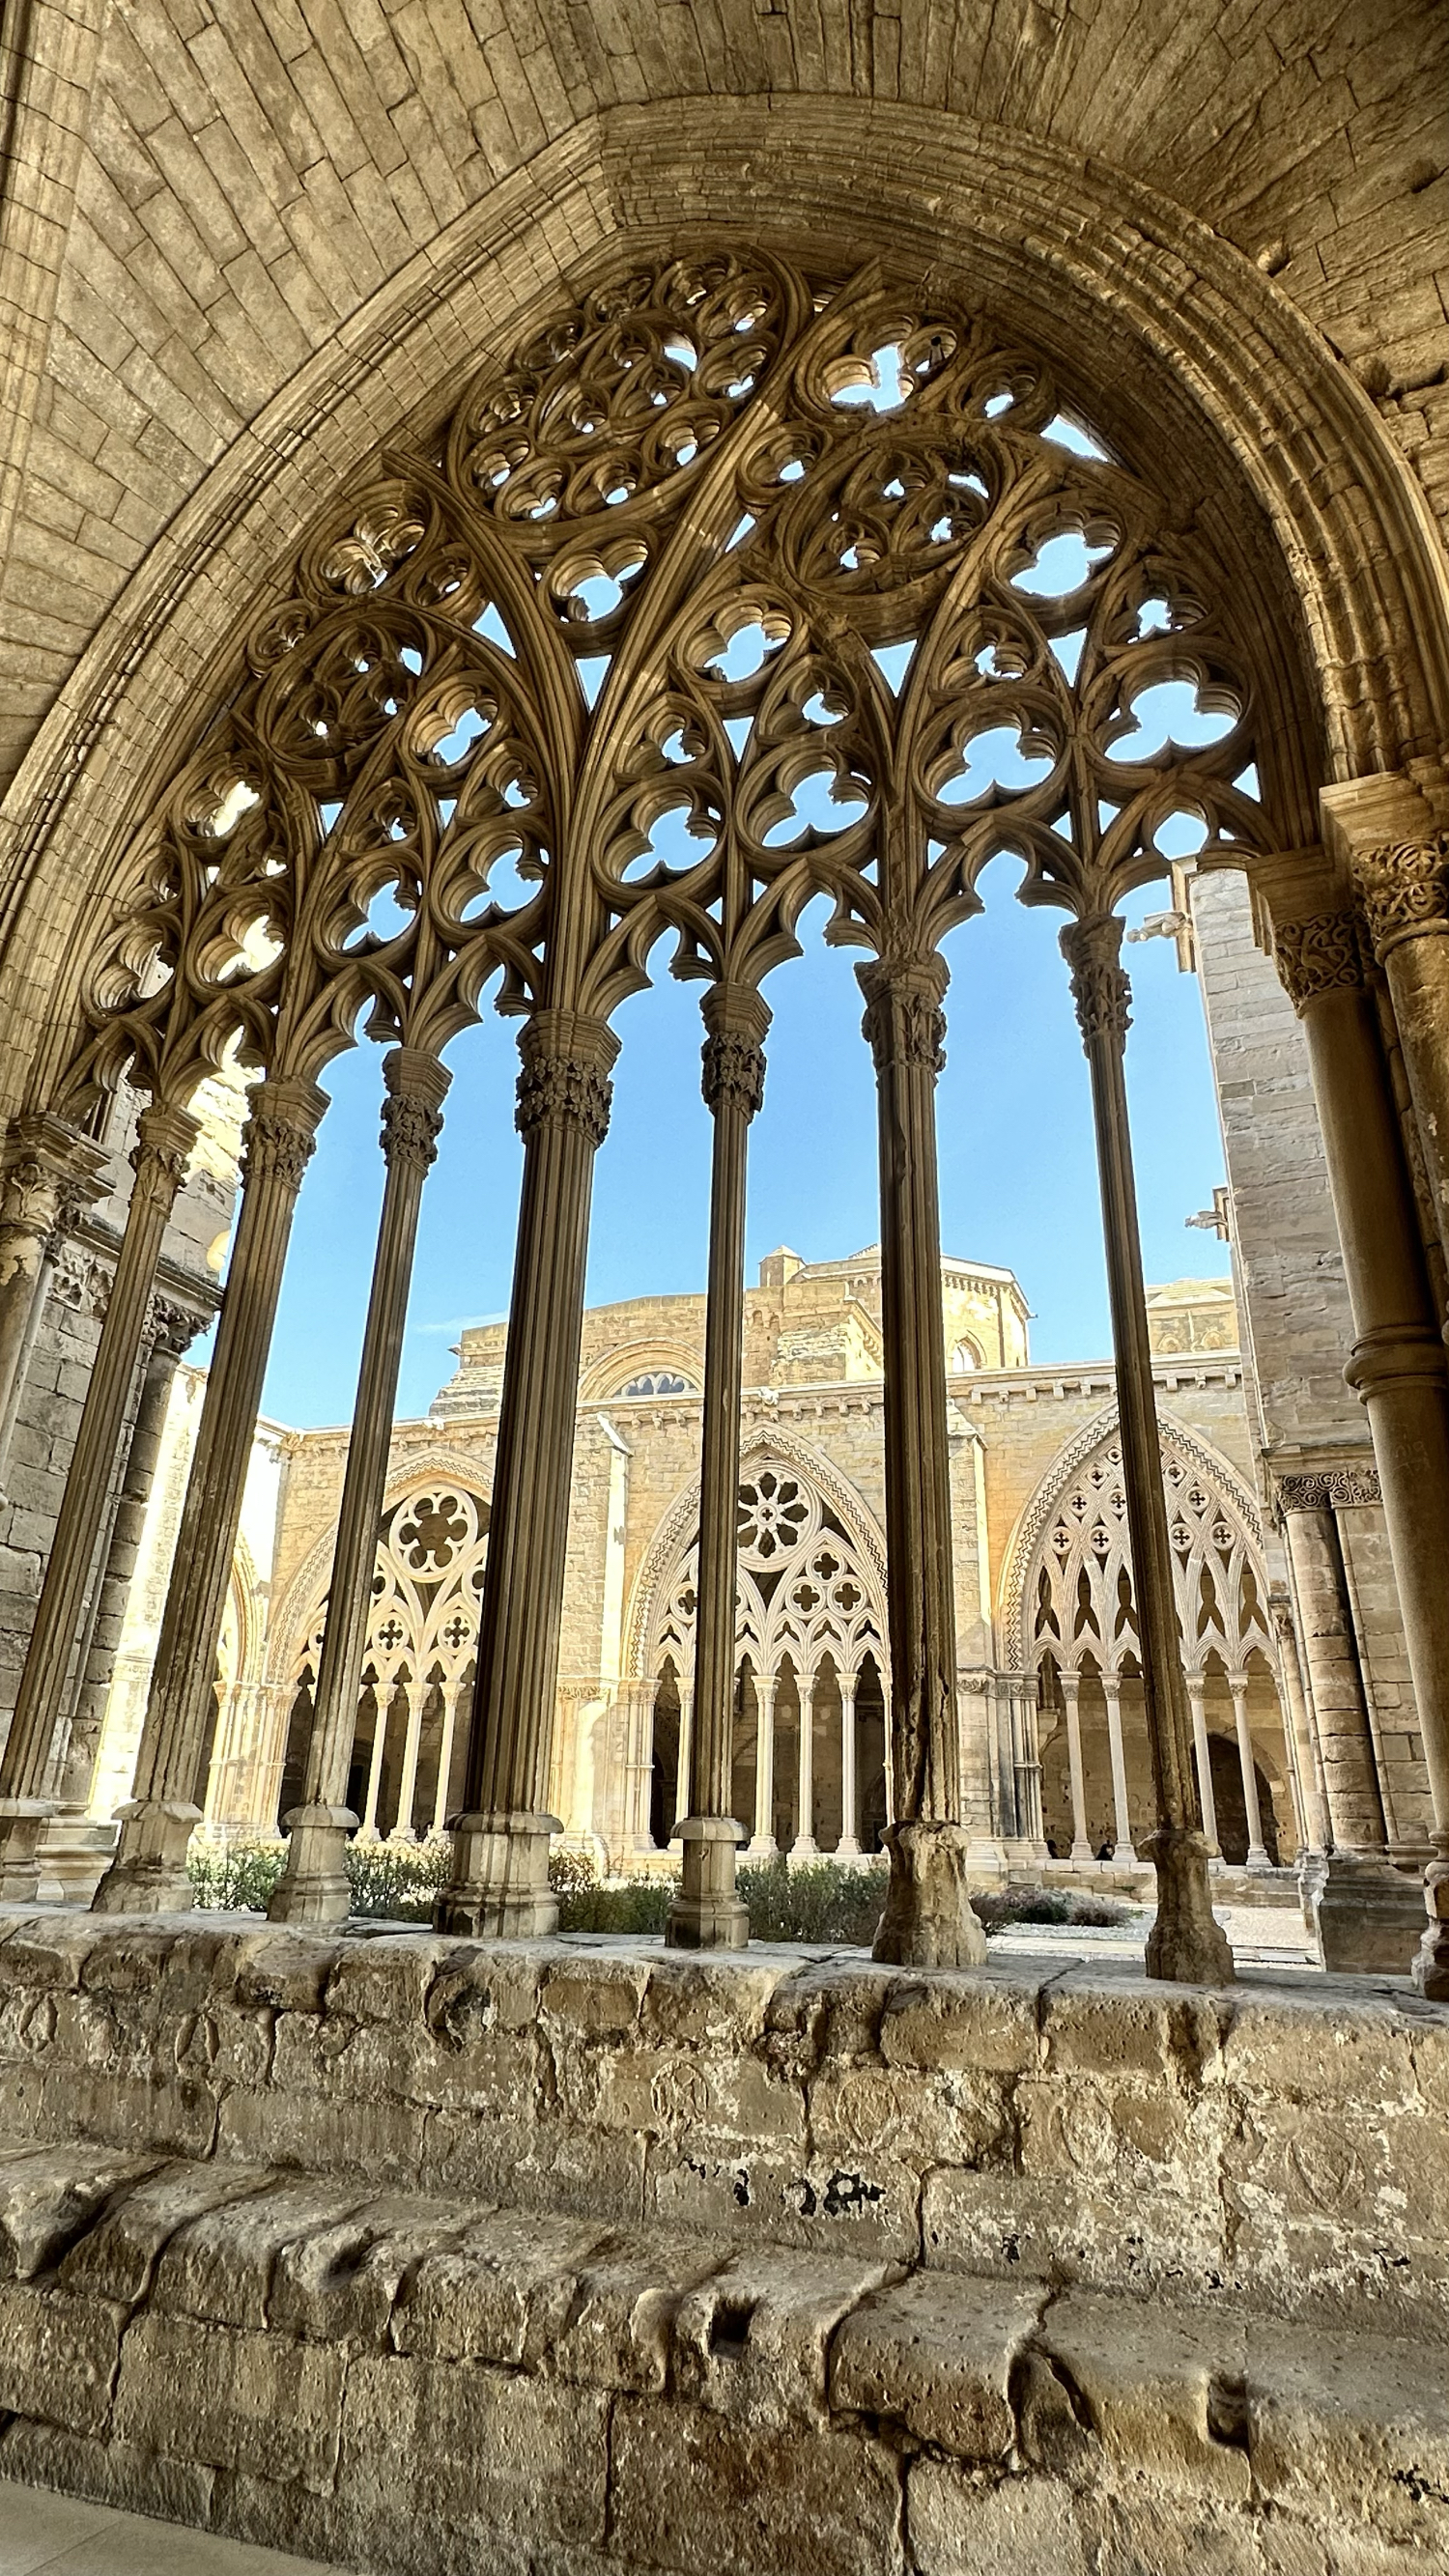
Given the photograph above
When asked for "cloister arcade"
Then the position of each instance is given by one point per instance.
(741, 580)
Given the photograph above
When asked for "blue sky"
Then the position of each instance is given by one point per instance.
(1018, 1170)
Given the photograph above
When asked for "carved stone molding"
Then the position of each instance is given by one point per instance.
(1332, 1489)
(1100, 988)
(1404, 890)
(80, 1281)
(1320, 954)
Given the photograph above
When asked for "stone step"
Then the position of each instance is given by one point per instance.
(418, 2384)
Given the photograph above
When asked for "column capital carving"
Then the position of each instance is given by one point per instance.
(1317, 954)
(412, 1114)
(280, 1135)
(51, 1173)
(164, 1140)
(903, 1022)
(567, 1060)
(733, 1055)
(1404, 889)
(1101, 989)
(1349, 1485)
(1302, 1493)
(172, 1328)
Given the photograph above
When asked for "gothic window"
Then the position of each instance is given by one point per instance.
(804, 1589)
(1080, 1596)
(427, 1583)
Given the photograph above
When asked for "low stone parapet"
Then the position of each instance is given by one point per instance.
(382, 2248)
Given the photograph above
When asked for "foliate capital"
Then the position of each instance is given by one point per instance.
(904, 1023)
(1320, 954)
(164, 1140)
(51, 1174)
(412, 1114)
(567, 1059)
(173, 1328)
(281, 1132)
(1404, 889)
(1100, 988)
(734, 1074)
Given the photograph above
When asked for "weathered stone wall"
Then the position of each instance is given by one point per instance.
(606, 2259)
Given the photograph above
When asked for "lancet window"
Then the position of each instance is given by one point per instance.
(1080, 1601)
(805, 1589)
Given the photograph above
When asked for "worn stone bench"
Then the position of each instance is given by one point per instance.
(576, 2257)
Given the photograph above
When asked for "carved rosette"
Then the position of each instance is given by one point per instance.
(1318, 955)
(734, 1074)
(410, 1130)
(1404, 890)
(1100, 988)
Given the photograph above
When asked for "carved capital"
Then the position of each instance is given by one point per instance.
(734, 1074)
(164, 1139)
(1348, 1485)
(172, 1328)
(412, 1114)
(51, 1174)
(280, 1135)
(1100, 988)
(904, 1023)
(81, 1282)
(1404, 889)
(1320, 954)
(565, 1078)
(1302, 1493)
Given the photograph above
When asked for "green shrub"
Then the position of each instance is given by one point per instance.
(230, 1878)
(640, 1905)
(821, 1900)
(398, 1882)
(1047, 1905)
(569, 1872)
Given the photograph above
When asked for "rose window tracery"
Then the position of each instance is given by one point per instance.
(804, 1590)
(427, 1583)
(738, 582)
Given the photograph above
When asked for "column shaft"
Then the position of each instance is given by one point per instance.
(314, 1886)
(500, 1852)
(1398, 1358)
(763, 1844)
(1257, 1849)
(1185, 1942)
(1404, 889)
(50, 1171)
(445, 1757)
(414, 1694)
(1123, 1848)
(849, 1843)
(1071, 1698)
(804, 1846)
(148, 1873)
(706, 1914)
(928, 1919)
(684, 1762)
(165, 1138)
(1202, 1756)
(367, 1830)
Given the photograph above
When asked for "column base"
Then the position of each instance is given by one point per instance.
(929, 1921)
(22, 1821)
(847, 1848)
(314, 1886)
(74, 1853)
(1366, 1916)
(804, 1847)
(1126, 1856)
(500, 1886)
(148, 1874)
(707, 1914)
(1186, 1945)
(755, 1851)
(1081, 1852)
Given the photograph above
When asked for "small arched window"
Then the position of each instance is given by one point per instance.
(964, 1357)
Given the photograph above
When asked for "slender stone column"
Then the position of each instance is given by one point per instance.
(1185, 1942)
(805, 1846)
(848, 1847)
(500, 1847)
(445, 1757)
(1202, 1756)
(165, 1137)
(928, 1919)
(685, 1757)
(1398, 1357)
(414, 1694)
(639, 1699)
(367, 1830)
(1257, 1848)
(707, 1914)
(1123, 1848)
(1071, 1700)
(1313, 1823)
(889, 1766)
(314, 1885)
(148, 1874)
(763, 1845)
(1403, 886)
(50, 1172)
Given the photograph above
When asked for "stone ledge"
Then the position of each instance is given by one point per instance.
(403, 2384)
(1276, 2146)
